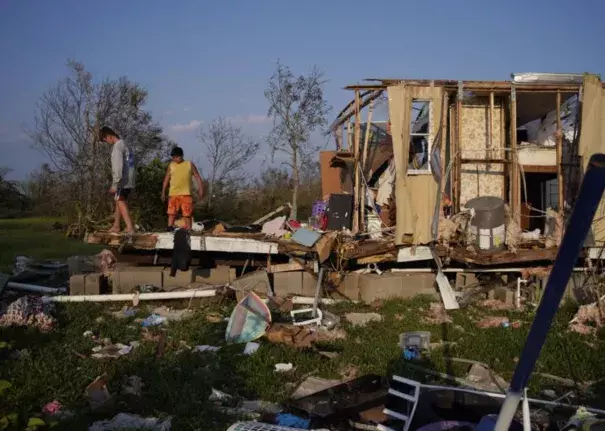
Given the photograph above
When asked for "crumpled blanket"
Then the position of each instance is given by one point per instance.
(28, 311)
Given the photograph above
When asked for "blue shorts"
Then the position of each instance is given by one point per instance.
(122, 194)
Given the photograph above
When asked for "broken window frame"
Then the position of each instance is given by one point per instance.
(427, 136)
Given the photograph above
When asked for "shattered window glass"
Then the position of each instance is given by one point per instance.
(420, 147)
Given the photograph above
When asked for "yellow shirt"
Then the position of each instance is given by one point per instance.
(180, 179)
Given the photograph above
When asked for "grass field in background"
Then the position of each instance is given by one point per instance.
(34, 237)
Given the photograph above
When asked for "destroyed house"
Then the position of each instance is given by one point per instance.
(489, 170)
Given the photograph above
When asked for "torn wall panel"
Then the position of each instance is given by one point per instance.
(592, 139)
(481, 179)
(415, 194)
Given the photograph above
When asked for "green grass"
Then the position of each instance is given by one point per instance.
(178, 383)
(34, 237)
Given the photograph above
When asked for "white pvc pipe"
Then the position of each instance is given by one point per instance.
(476, 270)
(306, 300)
(508, 410)
(183, 294)
(34, 288)
(502, 396)
(526, 412)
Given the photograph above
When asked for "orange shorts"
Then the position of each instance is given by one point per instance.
(181, 202)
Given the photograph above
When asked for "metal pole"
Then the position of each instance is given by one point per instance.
(320, 277)
(576, 231)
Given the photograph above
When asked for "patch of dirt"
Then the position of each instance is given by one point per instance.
(495, 304)
(587, 314)
(349, 372)
(436, 315)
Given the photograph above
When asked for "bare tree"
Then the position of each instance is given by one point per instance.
(228, 150)
(297, 107)
(66, 129)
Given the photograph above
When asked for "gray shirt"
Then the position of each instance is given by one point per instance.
(122, 166)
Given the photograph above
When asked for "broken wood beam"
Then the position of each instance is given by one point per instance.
(272, 213)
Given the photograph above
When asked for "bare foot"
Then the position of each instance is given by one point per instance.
(114, 230)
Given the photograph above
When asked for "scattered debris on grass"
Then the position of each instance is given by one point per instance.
(436, 315)
(586, 320)
(498, 321)
(205, 348)
(362, 319)
(349, 372)
(28, 311)
(52, 408)
(495, 304)
(153, 320)
(312, 385)
(214, 318)
(113, 351)
(481, 376)
(133, 386)
(97, 394)
(251, 348)
(282, 368)
(124, 313)
(294, 336)
(124, 421)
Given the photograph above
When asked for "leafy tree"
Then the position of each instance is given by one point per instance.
(298, 108)
(66, 129)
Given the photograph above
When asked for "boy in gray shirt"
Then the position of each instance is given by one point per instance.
(123, 176)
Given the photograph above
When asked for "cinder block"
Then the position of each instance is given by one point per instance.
(94, 283)
(393, 285)
(77, 284)
(257, 281)
(465, 279)
(127, 279)
(180, 279)
(288, 283)
(216, 276)
(349, 286)
(309, 284)
(505, 295)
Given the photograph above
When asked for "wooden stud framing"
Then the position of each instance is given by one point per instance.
(490, 139)
(505, 172)
(559, 143)
(515, 200)
(458, 147)
(364, 159)
(356, 167)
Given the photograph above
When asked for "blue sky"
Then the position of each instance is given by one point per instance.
(202, 59)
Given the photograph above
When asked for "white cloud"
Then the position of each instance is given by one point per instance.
(250, 119)
(186, 109)
(192, 125)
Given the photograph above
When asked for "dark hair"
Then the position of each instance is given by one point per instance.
(108, 131)
(176, 152)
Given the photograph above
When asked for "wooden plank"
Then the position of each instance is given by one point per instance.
(515, 201)
(285, 267)
(138, 241)
(364, 162)
(490, 138)
(445, 289)
(537, 169)
(356, 169)
(461, 255)
(483, 161)
(559, 143)
(368, 248)
(458, 155)
(503, 144)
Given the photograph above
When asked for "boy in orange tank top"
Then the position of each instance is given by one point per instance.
(178, 176)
